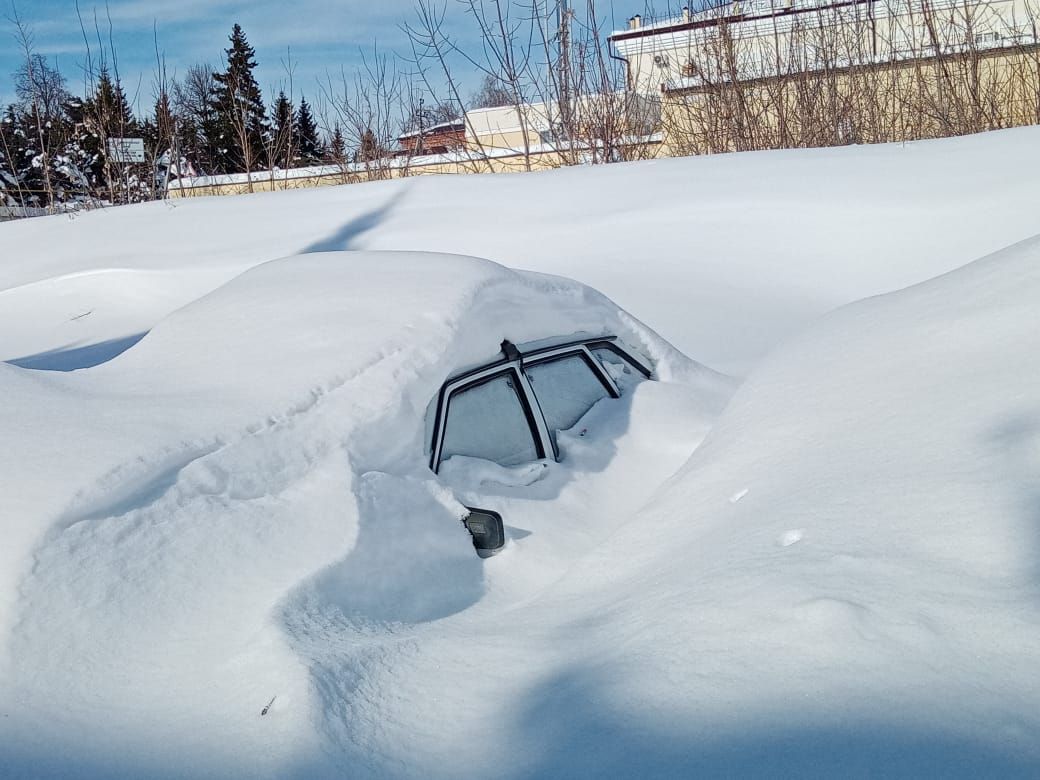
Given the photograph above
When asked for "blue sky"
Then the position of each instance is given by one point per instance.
(323, 36)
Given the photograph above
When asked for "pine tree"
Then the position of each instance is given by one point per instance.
(9, 179)
(309, 145)
(84, 150)
(370, 149)
(165, 124)
(109, 109)
(283, 134)
(29, 151)
(160, 141)
(239, 127)
(337, 151)
(40, 129)
(106, 114)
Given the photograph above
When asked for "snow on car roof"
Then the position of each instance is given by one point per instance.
(288, 327)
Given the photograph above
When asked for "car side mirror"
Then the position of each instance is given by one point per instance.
(487, 530)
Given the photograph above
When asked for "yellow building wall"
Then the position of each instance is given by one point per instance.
(910, 100)
(391, 170)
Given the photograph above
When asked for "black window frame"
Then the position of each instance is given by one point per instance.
(611, 345)
(589, 359)
(526, 394)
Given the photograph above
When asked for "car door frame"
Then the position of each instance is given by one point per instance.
(528, 397)
(549, 355)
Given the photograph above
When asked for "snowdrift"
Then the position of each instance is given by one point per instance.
(844, 579)
(263, 440)
(832, 570)
(725, 256)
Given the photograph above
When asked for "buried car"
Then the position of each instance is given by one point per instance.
(243, 494)
(510, 410)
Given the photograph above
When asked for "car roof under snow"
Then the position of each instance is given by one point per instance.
(392, 325)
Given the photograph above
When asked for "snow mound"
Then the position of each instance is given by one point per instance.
(845, 578)
(259, 497)
(726, 256)
(81, 319)
(224, 555)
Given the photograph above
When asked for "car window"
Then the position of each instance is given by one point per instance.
(621, 371)
(488, 421)
(566, 388)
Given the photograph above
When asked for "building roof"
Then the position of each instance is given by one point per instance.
(730, 11)
(454, 126)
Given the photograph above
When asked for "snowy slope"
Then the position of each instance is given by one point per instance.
(844, 579)
(833, 571)
(725, 256)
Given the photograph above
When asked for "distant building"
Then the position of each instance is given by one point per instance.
(862, 70)
(773, 37)
(436, 139)
(544, 124)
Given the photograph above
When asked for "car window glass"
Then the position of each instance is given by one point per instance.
(487, 421)
(566, 388)
(621, 371)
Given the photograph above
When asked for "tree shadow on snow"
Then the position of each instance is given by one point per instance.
(1017, 439)
(577, 730)
(346, 236)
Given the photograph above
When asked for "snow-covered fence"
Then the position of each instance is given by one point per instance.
(462, 161)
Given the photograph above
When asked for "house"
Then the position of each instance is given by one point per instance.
(436, 139)
(588, 119)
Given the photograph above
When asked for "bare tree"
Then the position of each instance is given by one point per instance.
(369, 109)
(491, 93)
(39, 91)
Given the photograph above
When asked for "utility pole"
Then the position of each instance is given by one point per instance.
(565, 16)
(422, 130)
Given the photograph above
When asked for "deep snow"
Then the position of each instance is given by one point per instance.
(834, 572)
(725, 256)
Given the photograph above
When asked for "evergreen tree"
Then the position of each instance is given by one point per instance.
(308, 143)
(108, 109)
(283, 134)
(106, 112)
(370, 149)
(160, 140)
(164, 123)
(337, 151)
(84, 150)
(10, 180)
(40, 127)
(239, 126)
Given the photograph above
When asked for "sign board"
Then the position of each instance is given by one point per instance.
(126, 150)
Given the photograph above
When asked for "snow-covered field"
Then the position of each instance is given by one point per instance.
(830, 566)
